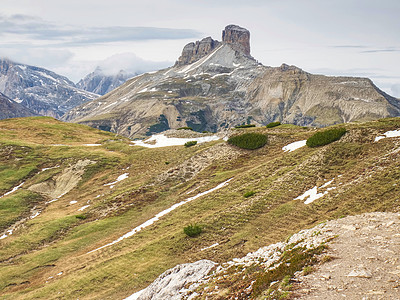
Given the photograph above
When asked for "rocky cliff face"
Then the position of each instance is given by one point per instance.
(11, 109)
(99, 83)
(226, 87)
(42, 91)
(237, 37)
(194, 51)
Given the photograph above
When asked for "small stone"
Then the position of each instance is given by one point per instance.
(361, 273)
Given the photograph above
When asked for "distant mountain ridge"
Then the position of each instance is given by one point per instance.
(12, 109)
(100, 83)
(215, 85)
(42, 91)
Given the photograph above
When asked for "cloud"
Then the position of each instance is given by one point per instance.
(130, 63)
(389, 49)
(37, 56)
(350, 46)
(38, 29)
(395, 88)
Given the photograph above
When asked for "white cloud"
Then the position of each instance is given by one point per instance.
(130, 63)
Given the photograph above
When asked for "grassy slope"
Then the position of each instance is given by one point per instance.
(57, 241)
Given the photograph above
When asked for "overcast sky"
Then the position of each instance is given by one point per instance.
(335, 37)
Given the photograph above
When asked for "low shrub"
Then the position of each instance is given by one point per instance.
(245, 126)
(249, 194)
(81, 217)
(190, 143)
(185, 128)
(273, 124)
(249, 141)
(325, 137)
(192, 230)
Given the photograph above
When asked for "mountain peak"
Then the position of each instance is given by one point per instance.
(235, 36)
(238, 37)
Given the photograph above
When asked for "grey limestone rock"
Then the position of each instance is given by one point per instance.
(170, 285)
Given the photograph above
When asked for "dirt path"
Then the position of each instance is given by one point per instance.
(366, 262)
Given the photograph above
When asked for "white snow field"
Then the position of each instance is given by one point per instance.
(312, 194)
(294, 146)
(388, 134)
(160, 140)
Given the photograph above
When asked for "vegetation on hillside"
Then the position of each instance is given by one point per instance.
(325, 137)
(60, 238)
(249, 140)
(245, 126)
(273, 124)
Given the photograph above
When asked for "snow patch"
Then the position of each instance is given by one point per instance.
(209, 247)
(91, 145)
(312, 194)
(13, 190)
(161, 214)
(163, 141)
(388, 134)
(73, 202)
(83, 207)
(120, 178)
(294, 146)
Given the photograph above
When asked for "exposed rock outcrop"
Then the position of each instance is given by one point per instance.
(237, 37)
(62, 183)
(194, 51)
(11, 109)
(99, 83)
(171, 283)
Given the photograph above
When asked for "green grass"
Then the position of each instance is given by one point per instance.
(60, 237)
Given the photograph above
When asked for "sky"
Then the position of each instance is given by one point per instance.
(338, 38)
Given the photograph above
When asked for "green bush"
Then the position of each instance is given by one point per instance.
(273, 124)
(249, 194)
(192, 230)
(325, 137)
(245, 126)
(190, 143)
(185, 128)
(249, 140)
(81, 217)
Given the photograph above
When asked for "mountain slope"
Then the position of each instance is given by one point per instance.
(99, 83)
(118, 223)
(11, 109)
(40, 90)
(216, 85)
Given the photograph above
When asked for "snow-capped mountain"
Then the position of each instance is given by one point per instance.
(42, 91)
(100, 83)
(12, 109)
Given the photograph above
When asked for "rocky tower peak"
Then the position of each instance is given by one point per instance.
(194, 51)
(237, 37)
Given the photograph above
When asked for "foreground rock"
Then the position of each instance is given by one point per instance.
(362, 261)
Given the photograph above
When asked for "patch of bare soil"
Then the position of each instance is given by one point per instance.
(365, 261)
